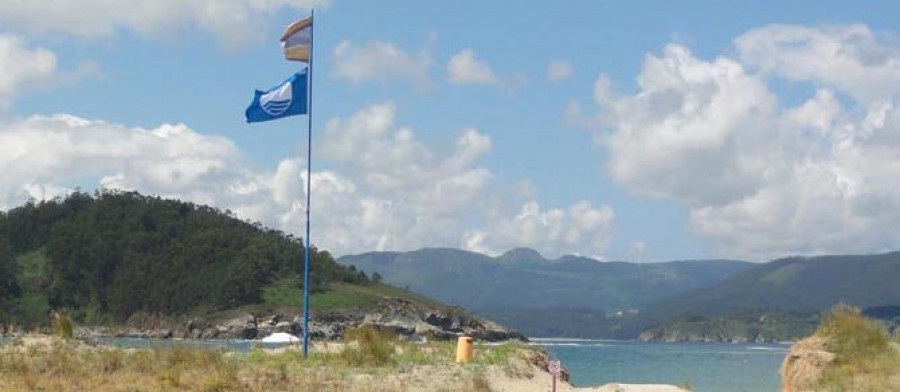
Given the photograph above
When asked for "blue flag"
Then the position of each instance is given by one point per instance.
(285, 99)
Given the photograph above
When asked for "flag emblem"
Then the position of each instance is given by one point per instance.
(286, 99)
(277, 101)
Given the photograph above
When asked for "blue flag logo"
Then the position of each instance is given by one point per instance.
(283, 100)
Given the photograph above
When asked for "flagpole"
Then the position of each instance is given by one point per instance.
(309, 79)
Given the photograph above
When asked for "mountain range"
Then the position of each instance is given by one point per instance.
(576, 296)
(571, 295)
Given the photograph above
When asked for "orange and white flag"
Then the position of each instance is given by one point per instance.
(297, 39)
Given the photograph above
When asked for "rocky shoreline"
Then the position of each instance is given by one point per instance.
(666, 336)
(407, 319)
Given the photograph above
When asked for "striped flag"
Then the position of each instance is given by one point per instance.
(296, 40)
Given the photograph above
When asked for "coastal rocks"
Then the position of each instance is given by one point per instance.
(410, 320)
(804, 364)
(241, 327)
(678, 336)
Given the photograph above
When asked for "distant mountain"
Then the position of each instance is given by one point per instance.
(795, 285)
(568, 296)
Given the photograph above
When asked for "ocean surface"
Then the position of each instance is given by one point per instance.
(706, 367)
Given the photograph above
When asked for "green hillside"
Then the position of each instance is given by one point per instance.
(521, 288)
(797, 285)
(107, 256)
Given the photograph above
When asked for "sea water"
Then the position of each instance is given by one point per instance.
(706, 367)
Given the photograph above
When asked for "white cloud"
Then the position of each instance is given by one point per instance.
(464, 68)
(694, 118)
(380, 61)
(386, 190)
(23, 68)
(849, 58)
(54, 153)
(234, 23)
(555, 231)
(763, 180)
(559, 70)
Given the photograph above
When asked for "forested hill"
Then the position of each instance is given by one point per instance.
(797, 284)
(779, 300)
(113, 254)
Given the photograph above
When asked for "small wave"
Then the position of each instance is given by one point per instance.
(567, 344)
(762, 348)
(579, 340)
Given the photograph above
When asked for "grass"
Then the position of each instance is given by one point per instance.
(369, 360)
(852, 337)
(368, 346)
(866, 356)
(289, 292)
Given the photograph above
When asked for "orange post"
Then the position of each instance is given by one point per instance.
(464, 349)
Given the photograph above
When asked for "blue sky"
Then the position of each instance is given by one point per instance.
(146, 73)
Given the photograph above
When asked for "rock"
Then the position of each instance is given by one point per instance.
(804, 364)
(283, 326)
(161, 334)
(275, 319)
(405, 318)
(195, 328)
(324, 331)
(438, 320)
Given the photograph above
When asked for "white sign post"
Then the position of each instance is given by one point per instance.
(554, 368)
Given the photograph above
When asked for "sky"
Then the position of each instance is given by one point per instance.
(638, 130)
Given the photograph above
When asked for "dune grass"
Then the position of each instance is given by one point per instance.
(368, 360)
(867, 358)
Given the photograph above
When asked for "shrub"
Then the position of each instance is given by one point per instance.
(374, 347)
(850, 335)
(62, 325)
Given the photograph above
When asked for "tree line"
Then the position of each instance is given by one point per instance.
(114, 253)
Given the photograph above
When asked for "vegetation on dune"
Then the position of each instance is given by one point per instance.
(60, 365)
(106, 256)
(368, 345)
(851, 336)
(866, 357)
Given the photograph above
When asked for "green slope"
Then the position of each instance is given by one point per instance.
(794, 290)
(797, 285)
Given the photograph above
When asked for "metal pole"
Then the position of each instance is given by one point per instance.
(309, 85)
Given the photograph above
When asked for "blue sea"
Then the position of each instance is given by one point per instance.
(706, 367)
